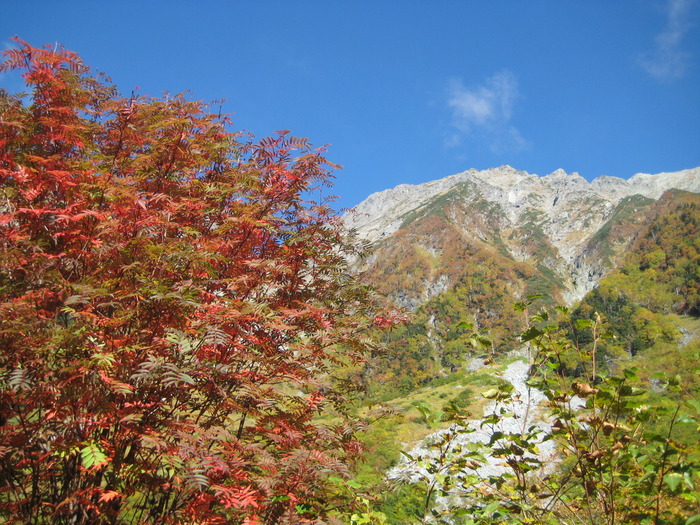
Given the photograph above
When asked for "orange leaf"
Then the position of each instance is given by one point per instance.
(109, 495)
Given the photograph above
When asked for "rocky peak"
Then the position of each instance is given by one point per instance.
(515, 190)
(553, 221)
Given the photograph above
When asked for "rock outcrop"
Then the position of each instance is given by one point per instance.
(569, 229)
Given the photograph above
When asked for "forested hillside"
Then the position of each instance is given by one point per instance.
(657, 276)
(649, 304)
(642, 316)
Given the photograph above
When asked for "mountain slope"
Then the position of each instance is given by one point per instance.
(461, 252)
(559, 233)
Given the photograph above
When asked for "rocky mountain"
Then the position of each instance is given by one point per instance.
(463, 254)
(557, 234)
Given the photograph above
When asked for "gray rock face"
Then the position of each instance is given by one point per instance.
(561, 211)
(525, 409)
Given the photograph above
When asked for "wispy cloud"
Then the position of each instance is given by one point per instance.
(668, 60)
(487, 110)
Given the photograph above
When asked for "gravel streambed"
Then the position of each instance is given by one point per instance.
(526, 408)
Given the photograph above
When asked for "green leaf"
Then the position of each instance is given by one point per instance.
(424, 408)
(542, 316)
(694, 404)
(583, 323)
(302, 507)
(630, 373)
(626, 390)
(92, 455)
(493, 507)
(496, 436)
(673, 480)
(675, 381)
(484, 341)
(491, 394)
(407, 455)
(688, 479)
(530, 334)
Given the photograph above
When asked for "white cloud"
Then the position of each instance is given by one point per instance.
(486, 109)
(668, 61)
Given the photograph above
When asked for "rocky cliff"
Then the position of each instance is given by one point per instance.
(558, 229)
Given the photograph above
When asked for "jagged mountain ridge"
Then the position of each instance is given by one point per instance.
(559, 227)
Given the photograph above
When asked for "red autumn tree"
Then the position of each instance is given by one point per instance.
(173, 311)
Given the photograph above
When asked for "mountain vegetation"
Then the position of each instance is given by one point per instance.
(629, 351)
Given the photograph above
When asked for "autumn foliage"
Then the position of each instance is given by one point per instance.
(173, 311)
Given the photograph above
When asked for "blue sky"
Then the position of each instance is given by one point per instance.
(411, 91)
